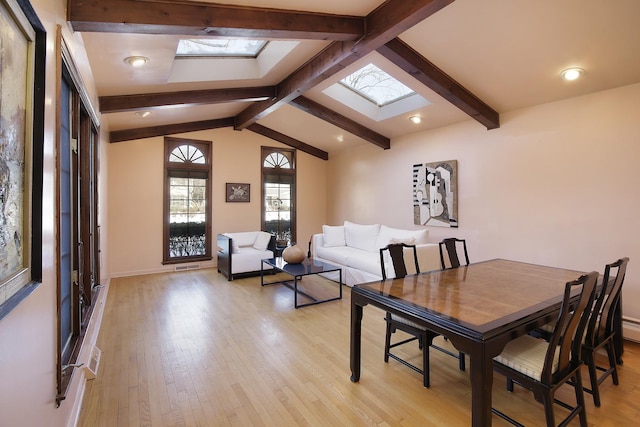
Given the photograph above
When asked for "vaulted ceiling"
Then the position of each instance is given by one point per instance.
(471, 60)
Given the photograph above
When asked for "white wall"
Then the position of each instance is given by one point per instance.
(136, 195)
(28, 333)
(556, 184)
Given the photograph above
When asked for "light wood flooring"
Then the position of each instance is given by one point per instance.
(192, 349)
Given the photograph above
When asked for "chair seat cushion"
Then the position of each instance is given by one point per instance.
(526, 354)
(405, 321)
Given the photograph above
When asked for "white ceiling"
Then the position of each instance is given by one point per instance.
(507, 53)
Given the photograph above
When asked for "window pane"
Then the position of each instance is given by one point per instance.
(220, 47)
(278, 210)
(187, 216)
(376, 85)
(187, 154)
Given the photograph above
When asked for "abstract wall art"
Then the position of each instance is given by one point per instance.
(435, 193)
(16, 84)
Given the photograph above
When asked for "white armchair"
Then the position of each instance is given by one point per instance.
(241, 254)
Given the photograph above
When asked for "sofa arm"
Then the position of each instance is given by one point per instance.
(225, 245)
(317, 241)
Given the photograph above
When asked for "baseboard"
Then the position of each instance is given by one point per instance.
(631, 329)
(88, 356)
(165, 269)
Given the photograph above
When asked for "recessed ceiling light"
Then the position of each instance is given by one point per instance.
(572, 73)
(143, 114)
(415, 119)
(340, 138)
(136, 61)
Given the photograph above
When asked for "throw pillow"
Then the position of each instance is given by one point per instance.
(361, 236)
(406, 241)
(333, 235)
(388, 233)
(262, 241)
(234, 247)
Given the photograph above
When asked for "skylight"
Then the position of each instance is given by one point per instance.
(374, 93)
(376, 85)
(220, 47)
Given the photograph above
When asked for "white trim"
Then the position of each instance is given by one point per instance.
(165, 269)
(631, 329)
(87, 352)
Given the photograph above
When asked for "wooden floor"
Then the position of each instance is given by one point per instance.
(192, 349)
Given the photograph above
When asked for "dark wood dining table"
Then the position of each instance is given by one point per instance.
(479, 308)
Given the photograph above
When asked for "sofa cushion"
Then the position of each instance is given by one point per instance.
(249, 259)
(336, 254)
(361, 236)
(333, 235)
(365, 261)
(396, 235)
(243, 238)
(262, 241)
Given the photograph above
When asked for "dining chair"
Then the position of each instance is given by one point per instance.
(450, 247)
(396, 322)
(600, 329)
(544, 366)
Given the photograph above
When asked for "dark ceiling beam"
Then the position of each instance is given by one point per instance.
(120, 103)
(192, 18)
(355, 128)
(428, 74)
(287, 140)
(385, 23)
(149, 132)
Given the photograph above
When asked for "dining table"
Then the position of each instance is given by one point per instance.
(479, 308)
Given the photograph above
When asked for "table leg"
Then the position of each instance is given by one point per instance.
(356, 340)
(481, 377)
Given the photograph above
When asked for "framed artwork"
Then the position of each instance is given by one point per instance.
(17, 86)
(238, 192)
(435, 194)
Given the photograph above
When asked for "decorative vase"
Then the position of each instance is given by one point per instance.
(293, 254)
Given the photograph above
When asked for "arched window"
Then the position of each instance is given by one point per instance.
(187, 210)
(279, 194)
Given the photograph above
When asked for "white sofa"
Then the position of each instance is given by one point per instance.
(241, 254)
(356, 248)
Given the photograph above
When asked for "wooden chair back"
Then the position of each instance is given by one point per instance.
(450, 247)
(601, 325)
(396, 251)
(566, 339)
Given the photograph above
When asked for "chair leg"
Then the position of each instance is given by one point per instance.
(611, 355)
(547, 400)
(593, 377)
(426, 378)
(509, 384)
(461, 360)
(387, 343)
(580, 398)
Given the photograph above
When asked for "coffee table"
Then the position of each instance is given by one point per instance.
(307, 267)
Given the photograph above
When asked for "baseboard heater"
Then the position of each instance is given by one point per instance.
(631, 329)
(91, 368)
(188, 267)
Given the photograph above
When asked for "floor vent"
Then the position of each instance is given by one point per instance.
(631, 329)
(188, 267)
(92, 367)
